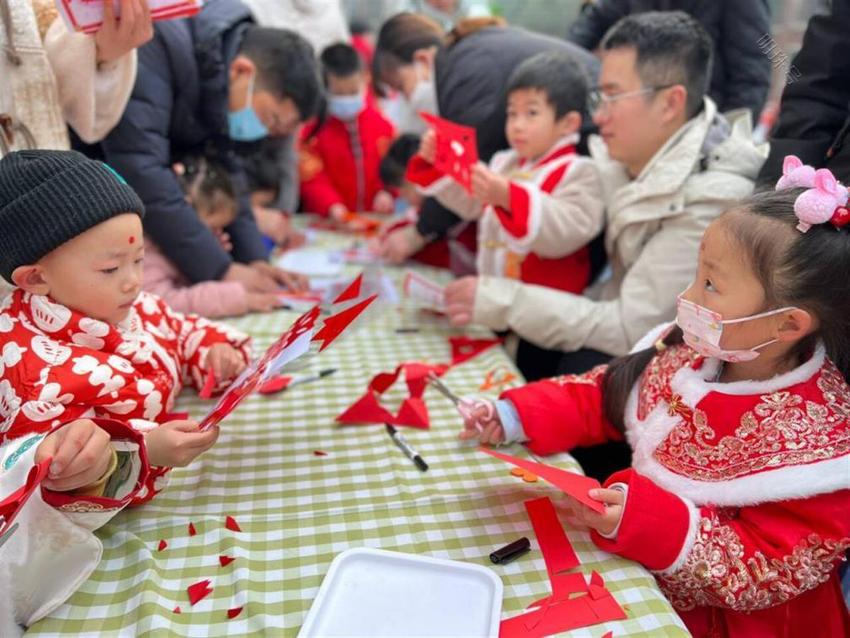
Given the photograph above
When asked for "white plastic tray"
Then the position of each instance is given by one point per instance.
(372, 592)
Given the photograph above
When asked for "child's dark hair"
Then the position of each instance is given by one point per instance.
(394, 163)
(558, 75)
(204, 180)
(340, 60)
(286, 66)
(803, 270)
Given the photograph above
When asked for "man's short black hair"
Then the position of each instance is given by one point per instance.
(341, 60)
(671, 48)
(558, 75)
(394, 164)
(286, 66)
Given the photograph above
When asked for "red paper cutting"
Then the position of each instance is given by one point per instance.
(231, 524)
(12, 505)
(352, 292)
(162, 546)
(225, 560)
(575, 485)
(209, 386)
(413, 412)
(235, 611)
(199, 591)
(335, 324)
(457, 149)
(274, 385)
(465, 348)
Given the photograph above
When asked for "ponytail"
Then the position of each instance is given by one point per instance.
(467, 26)
(624, 372)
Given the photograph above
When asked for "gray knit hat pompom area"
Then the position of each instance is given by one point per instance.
(49, 197)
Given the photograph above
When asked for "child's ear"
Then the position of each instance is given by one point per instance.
(30, 279)
(794, 324)
(570, 123)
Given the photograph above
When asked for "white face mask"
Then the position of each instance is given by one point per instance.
(424, 97)
(702, 330)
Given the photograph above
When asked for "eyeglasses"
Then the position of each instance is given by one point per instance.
(597, 100)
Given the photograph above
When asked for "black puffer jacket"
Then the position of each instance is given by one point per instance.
(179, 106)
(741, 73)
(471, 77)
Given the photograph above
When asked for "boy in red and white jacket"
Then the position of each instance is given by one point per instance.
(340, 157)
(78, 338)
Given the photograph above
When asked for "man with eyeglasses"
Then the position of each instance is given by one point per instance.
(669, 165)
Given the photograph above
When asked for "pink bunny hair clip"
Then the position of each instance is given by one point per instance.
(824, 201)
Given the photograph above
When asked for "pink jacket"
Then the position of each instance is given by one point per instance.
(207, 298)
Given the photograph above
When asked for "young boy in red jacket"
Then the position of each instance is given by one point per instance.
(340, 156)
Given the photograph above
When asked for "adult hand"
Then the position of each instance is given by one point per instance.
(277, 225)
(118, 36)
(398, 245)
(292, 281)
(460, 300)
(178, 443)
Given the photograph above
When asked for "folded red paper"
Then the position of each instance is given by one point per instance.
(575, 485)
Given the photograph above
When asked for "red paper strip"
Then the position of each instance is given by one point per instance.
(235, 611)
(209, 386)
(176, 610)
(192, 530)
(199, 591)
(231, 524)
(224, 561)
(274, 385)
(575, 485)
(558, 553)
(162, 546)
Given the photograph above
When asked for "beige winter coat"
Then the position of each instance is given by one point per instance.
(654, 226)
(49, 76)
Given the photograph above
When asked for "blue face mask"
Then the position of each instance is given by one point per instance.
(244, 125)
(345, 107)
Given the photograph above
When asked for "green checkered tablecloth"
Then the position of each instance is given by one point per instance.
(298, 511)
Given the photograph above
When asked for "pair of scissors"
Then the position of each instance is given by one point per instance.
(466, 407)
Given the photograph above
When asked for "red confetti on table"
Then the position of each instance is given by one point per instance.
(176, 610)
(162, 546)
(225, 560)
(199, 591)
(610, 634)
(232, 613)
(231, 524)
(192, 530)
(319, 453)
(275, 384)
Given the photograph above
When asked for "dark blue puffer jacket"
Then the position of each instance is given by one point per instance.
(178, 107)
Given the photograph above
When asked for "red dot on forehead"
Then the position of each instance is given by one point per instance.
(132, 240)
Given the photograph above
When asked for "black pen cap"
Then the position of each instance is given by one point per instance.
(510, 552)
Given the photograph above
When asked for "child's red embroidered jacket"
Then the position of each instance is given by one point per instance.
(57, 365)
(739, 494)
(556, 209)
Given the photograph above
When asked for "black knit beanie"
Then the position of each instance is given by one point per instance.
(50, 197)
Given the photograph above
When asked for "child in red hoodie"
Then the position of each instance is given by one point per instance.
(340, 156)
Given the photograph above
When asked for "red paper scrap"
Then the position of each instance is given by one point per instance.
(192, 530)
(457, 149)
(319, 453)
(225, 560)
(610, 634)
(231, 524)
(352, 292)
(162, 546)
(199, 591)
(558, 553)
(597, 586)
(176, 610)
(465, 348)
(235, 611)
(209, 386)
(274, 385)
(575, 485)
